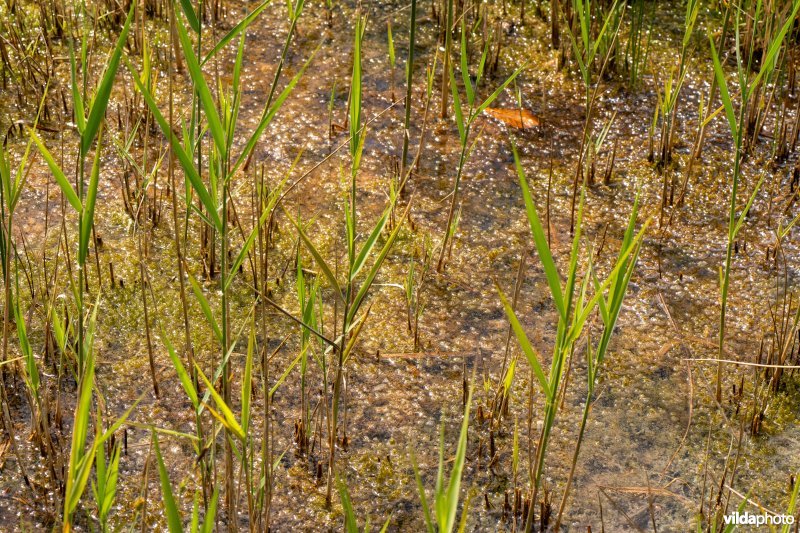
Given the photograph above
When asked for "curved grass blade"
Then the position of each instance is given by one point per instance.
(100, 100)
(191, 15)
(185, 160)
(525, 344)
(205, 306)
(203, 92)
(269, 113)
(492, 97)
(362, 292)
(87, 215)
(539, 238)
(226, 415)
(58, 174)
(174, 521)
(370, 243)
(236, 30)
(183, 375)
(326, 270)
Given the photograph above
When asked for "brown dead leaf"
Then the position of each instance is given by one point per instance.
(516, 118)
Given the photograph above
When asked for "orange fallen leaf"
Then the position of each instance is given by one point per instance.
(516, 118)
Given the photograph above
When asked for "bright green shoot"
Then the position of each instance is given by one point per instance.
(350, 519)
(171, 509)
(737, 127)
(446, 495)
(574, 305)
(465, 118)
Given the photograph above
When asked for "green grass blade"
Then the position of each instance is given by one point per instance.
(87, 216)
(247, 379)
(211, 513)
(350, 522)
(100, 100)
(492, 97)
(58, 174)
(454, 485)
(203, 92)
(768, 63)
(391, 43)
(268, 114)
(370, 243)
(205, 306)
(540, 239)
(77, 100)
(465, 67)
(462, 130)
(191, 15)
(183, 375)
(355, 88)
(287, 371)
(426, 511)
(743, 215)
(174, 521)
(183, 157)
(525, 344)
(326, 270)
(236, 30)
(118, 422)
(723, 91)
(31, 371)
(362, 292)
(228, 419)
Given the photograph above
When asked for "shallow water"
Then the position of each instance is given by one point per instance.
(647, 390)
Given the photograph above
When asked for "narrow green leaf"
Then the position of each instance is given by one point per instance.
(319, 260)
(465, 67)
(247, 379)
(211, 513)
(743, 215)
(183, 375)
(228, 419)
(355, 88)
(539, 238)
(183, 157)
(287, 371)
(100, 100)
(205, 306)
(362, 292)
(77, 100)
(87, 215)
(370, 243)
(203, 92)
(236, 30)
(31, 371)
(454, 485)
(723, 90)
(492, 97)
(174, 521)
(191, 15)
(391, 43)
(350, 522)
(768, 63)
(462, 130)
(525, 344)
(426, 512)
(268, 114)
(61, 179)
